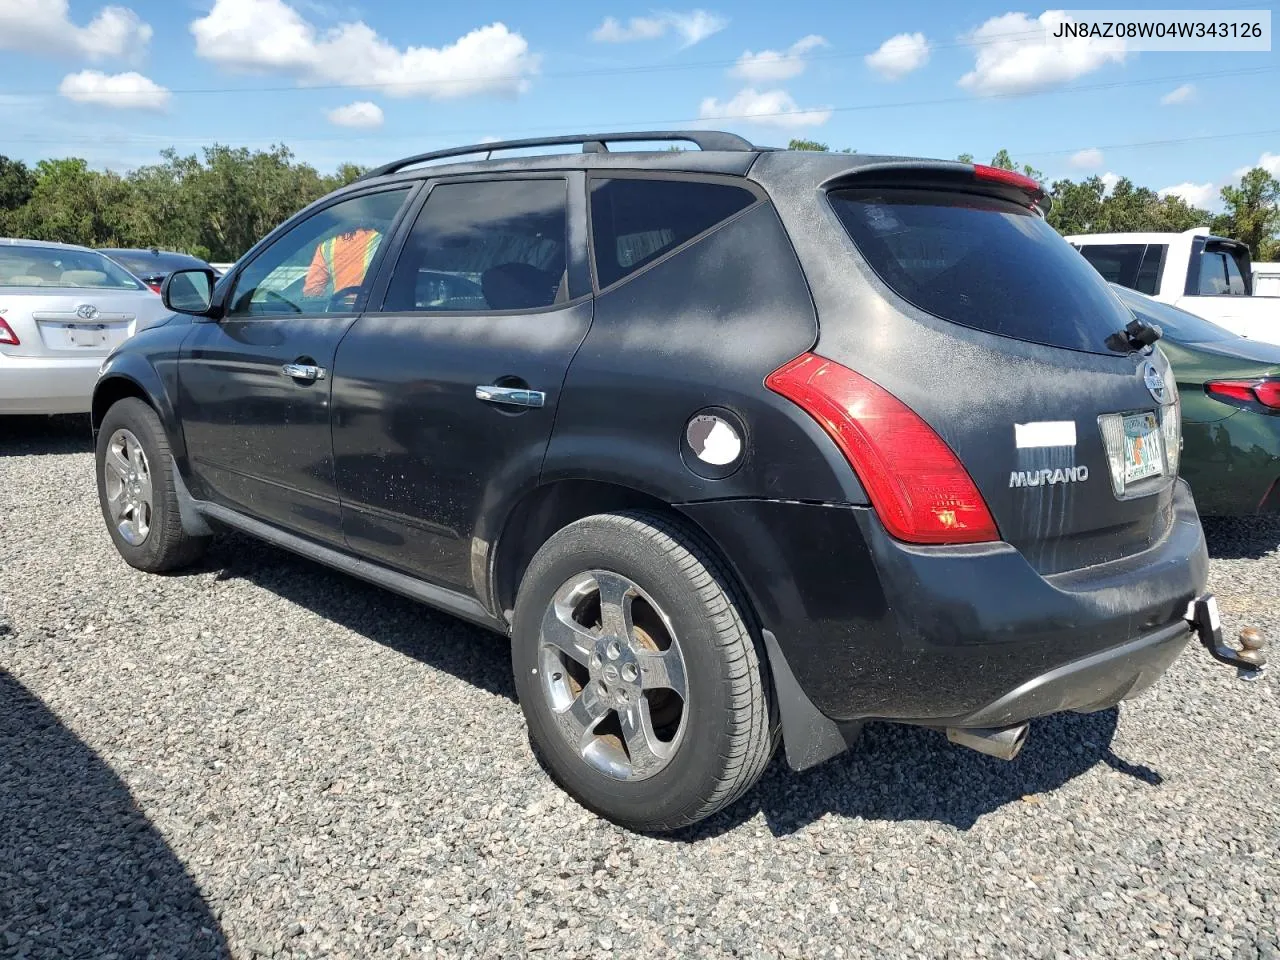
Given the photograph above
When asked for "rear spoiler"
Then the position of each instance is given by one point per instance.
(970, 177)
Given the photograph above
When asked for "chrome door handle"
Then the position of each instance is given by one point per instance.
(303, 371)
(516, 396)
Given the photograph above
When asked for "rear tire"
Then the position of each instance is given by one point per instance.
(136, 491)
(601, 690)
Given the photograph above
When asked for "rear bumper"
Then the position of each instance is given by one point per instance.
(871, 628)
(1094, 682)
(47, 384)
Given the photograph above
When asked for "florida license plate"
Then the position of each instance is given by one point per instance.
(1143, 455)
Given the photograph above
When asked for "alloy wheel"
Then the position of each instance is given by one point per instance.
(613, 674)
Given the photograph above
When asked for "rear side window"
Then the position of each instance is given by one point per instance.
(1235, 280)
(634, 221)
(1117, 262)
(983, 263)
(1133, 265)
(1149, 272)
(484, 246)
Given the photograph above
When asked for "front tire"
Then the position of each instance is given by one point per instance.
(645, 692)
(136, 490)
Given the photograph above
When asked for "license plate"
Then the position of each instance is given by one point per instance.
(86, 336)
(1143, 456)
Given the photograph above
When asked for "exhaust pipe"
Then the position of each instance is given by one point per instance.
(1002, 742)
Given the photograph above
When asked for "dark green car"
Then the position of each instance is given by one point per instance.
(1230, 390)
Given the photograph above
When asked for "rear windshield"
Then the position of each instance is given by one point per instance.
(61, 267)
(149, 264)
(1178, 325)
(983, 263)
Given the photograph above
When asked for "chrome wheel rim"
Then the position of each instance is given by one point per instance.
(613, 675)
(127, 473)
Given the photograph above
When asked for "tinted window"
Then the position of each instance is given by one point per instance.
(61, 267)
(634, 222)
(1178, 325)
(322, 264)
(984, 263)
(495, 245)
(1117, 262)
(1149, 272)
(1213, 274)
(1235, 281)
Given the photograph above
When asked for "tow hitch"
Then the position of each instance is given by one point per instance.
(1249, 661)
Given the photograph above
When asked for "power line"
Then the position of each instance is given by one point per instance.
(1156, 143)
(782, 57)
(642, 124)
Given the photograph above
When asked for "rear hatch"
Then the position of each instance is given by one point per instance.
(57, 322)
(980, 318)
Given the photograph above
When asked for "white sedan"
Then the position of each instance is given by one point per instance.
(63, 308)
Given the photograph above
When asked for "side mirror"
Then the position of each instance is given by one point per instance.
(189, 291)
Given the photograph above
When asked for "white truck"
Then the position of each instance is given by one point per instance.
(1203, 274)
(1266, 279)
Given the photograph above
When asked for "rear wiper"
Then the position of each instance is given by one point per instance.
(1137, 335)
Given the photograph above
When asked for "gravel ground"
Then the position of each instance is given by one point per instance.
(265, 758)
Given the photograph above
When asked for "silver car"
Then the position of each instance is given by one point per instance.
(63, 308)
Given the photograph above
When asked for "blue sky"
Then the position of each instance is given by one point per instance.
(369, 81)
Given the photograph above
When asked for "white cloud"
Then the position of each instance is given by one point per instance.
(770, 65)
(775, 108)
(44, 26)
(261, 35)
(1089, 159)
(692, 27)
(899, 56)
(121, 91)
(1179, 94)
(1269, 162)
(1196, 194)
(637, 28)
(1109, 180)
(363, 115)
(1015, 54)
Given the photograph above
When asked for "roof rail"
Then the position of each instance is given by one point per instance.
(591, 143)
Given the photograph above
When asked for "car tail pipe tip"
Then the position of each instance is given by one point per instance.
(1002, 742)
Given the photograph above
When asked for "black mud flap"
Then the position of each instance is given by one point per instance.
(1249, 662)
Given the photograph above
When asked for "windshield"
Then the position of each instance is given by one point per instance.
(61, 267)
(982, 262)
(1178, 325)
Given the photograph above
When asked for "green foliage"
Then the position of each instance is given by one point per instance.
(808, 145)
(965, 158)
(16, 184)
(215, 205)
(1086, 207)
(1252, 214)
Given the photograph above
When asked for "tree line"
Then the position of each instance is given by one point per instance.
(214, 206)
(217, 204)
(1251, 208)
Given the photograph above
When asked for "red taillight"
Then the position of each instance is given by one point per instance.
(1265, 392)
(919, 489)
(1268, 392)
(7, 335)
(155, 287)
(1011, 177)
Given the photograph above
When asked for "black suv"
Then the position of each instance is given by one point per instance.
(737, 446)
